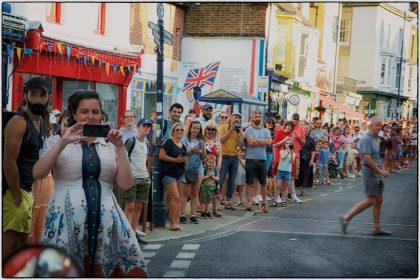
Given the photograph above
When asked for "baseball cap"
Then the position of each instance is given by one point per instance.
(205, 107)
(295, 115)
(55, 112)
(237, 113)
(144, 121)
(38, 82)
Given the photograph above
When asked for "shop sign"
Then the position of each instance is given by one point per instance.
(294, 99)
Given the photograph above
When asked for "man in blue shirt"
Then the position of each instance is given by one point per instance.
(372, 179)
(257, 138)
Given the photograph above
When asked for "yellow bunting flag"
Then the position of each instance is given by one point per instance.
(122, 70)
(59, 45)
(19, 53)
(93, 59)
(144, 85)
(134, 69)
(167, 87)
(107, 65)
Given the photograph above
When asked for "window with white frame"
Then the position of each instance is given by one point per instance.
(388, 37)
(409, 78)
(383, 68)
(388, 72)
(345, 26)
(303, 54)
(381, 34)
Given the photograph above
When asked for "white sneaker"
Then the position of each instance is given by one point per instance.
(259, 198)
(140, 233)
(255, 201)
(296, 199)
(352, 176)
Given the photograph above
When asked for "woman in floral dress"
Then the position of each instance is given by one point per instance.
(83, 215)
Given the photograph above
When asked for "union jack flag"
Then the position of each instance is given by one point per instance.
(201, 76)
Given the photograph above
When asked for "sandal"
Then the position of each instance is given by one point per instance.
(273, 204)
(223, 202)
(283, 204)
(229, 207)
(217, 214)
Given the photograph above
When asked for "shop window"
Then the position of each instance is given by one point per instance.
(397, 75)
(410, 78)
(100, 25)
(109, 97)
(69, 87)
(53, 12)
(383, 66)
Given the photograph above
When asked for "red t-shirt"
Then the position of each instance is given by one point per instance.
(279, 136)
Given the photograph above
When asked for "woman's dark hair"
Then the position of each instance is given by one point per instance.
(200, 134)
(345, 127)
(270, 120)
(289, 123)
(74, 101)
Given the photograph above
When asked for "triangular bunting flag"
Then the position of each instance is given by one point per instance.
(143, 86)
(19, 52)
(107, 68)
(153, 83)
(59, 47)
(49, 46)
(100, 63)
(167, 87)
(8, 50)
(93, 60)
(85, 59)
(122, 70)
(129, 69)
(27, 51)
(178, 90)
(148, 84)
(135, 68)
(114, 67)
(68, 51)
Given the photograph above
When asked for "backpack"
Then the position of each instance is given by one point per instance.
(130, 143)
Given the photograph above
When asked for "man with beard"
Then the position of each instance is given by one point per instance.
(206, 115)
(23, 137)
(175, 113)
(257, 138)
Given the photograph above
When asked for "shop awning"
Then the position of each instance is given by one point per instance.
(342, 108)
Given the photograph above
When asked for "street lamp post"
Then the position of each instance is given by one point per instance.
(161, 37)
(401, 61)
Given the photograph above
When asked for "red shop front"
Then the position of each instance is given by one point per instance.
(69, 67)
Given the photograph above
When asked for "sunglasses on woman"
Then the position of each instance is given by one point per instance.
(179, 129)
(223, 117)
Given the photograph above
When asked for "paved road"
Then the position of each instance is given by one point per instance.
(304, 240)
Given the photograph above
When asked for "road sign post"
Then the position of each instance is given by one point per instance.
(160, 38)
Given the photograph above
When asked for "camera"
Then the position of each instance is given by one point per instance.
(237, 127)
(291, 147)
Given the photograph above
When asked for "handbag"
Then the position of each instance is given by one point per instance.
(191, 176)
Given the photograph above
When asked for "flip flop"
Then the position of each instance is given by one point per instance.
(176, 228)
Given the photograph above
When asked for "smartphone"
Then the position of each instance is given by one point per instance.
(183, 154)
(95, 130)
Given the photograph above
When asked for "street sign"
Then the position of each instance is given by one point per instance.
(154, 26)
(167, 37)
(160, 11)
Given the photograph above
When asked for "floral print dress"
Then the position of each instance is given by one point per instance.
(102, 242)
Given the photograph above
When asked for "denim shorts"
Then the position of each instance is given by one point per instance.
(166, 180)
(284, 175)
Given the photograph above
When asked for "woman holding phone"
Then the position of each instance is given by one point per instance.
(194, 141)
(173, 156)
(83, 215)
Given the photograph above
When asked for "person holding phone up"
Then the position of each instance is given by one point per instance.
(173, 156)
(83, 215)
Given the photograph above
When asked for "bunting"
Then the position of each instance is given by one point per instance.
(122, 70)
(114, 67)
(85, 59)
(93, 60)
(27, 51)
(107, 69)
(59, 45)
(19, 53)
(167, 87)
(68, 51)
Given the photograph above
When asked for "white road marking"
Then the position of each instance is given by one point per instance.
(180, 264)
(174, 274)
(325, 194)
(191, 247)
(330, 234)
(184, 255)
(152, 246)
(148, 254)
